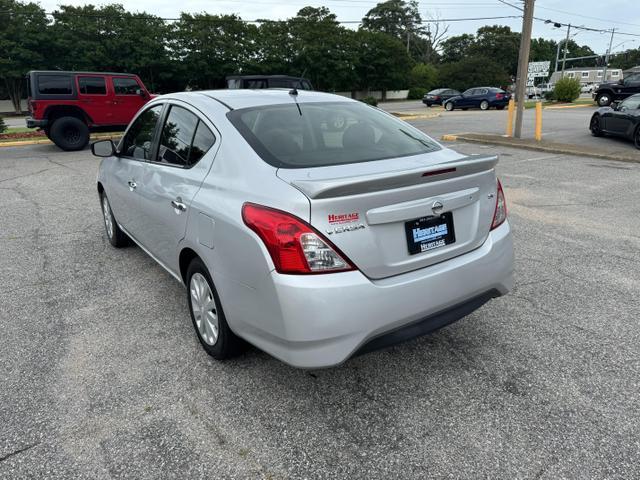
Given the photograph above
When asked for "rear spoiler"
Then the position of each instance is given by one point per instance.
(344, 186)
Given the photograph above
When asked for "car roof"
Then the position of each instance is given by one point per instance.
(244, 98)
(70, 72)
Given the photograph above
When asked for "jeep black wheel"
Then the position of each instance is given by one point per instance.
(604, 99)
(69, 133)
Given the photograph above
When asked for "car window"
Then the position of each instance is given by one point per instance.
(92, 85)
(631, 103)
(469, 92)
(54, 84)
(326, 133)
(138, 141)
(259, 83)
(125, 86)
(185, 138)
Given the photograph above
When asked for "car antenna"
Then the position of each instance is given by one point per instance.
(294, 91)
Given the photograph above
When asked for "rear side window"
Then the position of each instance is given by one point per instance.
(185, 139)
(125, 86)
(92, 85)
(138, 141)
(54, 85)
(327, 133)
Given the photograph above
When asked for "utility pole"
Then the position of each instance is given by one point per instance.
(523, 64)
(557, 56)
(566, 45)
(606, 57)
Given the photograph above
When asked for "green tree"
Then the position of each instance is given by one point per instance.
(23, 45)
(210, 47)
(324, 49)
(424, 76)
(630, 58)
(456, 48)
(498, 43)
(473, 72)
(111, 39)
(383, 62)
(3, 126)
(402, 20)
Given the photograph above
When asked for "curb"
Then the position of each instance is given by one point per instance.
(405, 116)
(46, 141)
(559, 107)
(557, 148)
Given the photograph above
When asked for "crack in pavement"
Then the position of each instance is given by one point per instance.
(20, 450)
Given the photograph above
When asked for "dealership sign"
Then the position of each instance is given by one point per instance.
(536, 70)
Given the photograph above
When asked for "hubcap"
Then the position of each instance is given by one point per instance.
(604, 100)
(106, 211)
(595, 124)
(72, 135)
(484, 105)
(204, 309)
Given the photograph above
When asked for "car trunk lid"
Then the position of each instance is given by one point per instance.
(364, 208)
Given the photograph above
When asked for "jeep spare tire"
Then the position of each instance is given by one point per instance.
(69, 133)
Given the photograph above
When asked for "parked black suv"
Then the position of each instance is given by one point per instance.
(268, 81)
(614, 91)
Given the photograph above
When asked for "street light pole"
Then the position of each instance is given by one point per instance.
(566, 45)
(606, 57)
(523, 64)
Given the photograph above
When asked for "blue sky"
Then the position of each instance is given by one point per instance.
(624, 15)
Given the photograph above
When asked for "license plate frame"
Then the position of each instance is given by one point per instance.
(429, 233)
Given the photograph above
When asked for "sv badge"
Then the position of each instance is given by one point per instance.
(345, 228)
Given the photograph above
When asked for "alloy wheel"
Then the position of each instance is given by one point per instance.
(604, 100)
(205, 310)
(595, 125)
(108, 219)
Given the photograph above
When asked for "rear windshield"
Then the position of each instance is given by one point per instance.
(327, 133)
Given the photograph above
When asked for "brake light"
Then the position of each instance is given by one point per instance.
(294, 245)
(500, 212)
(437, 97)
(499, 96)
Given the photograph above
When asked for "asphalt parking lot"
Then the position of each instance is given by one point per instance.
(101, 374)
(562, 125)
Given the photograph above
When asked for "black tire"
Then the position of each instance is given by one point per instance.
(484, 105)
(604, 99)
(227, 344)
(636, 138)
(500, 107)
(69, 133)
(595, 126)
(448, 106)
(116, 237)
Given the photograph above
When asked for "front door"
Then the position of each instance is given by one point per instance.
(171, 180)
(125, 179)
(129, 97)
(621, 121)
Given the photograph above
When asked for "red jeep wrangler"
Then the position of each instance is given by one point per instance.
(69, 105)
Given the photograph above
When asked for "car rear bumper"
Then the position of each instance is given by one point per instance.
(321, 320)
(34, 123)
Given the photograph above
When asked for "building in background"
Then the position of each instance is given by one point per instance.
(589, 75)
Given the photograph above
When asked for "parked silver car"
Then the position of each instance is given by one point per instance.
(312, 226)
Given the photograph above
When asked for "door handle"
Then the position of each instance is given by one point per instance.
(132, 185)
(178, 205)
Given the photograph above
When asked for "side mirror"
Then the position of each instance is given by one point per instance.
(621, 82)
(103, 148)
(141, 92)
(615, 105)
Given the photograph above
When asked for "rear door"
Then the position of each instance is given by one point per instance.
(172, 178)
(129, 96)
(95, 98)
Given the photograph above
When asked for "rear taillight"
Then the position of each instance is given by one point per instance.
(500, 212)
(294, 245)
(499, 96)
(437, 97)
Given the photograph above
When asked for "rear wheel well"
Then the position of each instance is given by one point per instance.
(53, 113)
(186, 257)
(100, 188)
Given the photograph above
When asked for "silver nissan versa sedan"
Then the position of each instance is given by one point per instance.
(312, 226)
